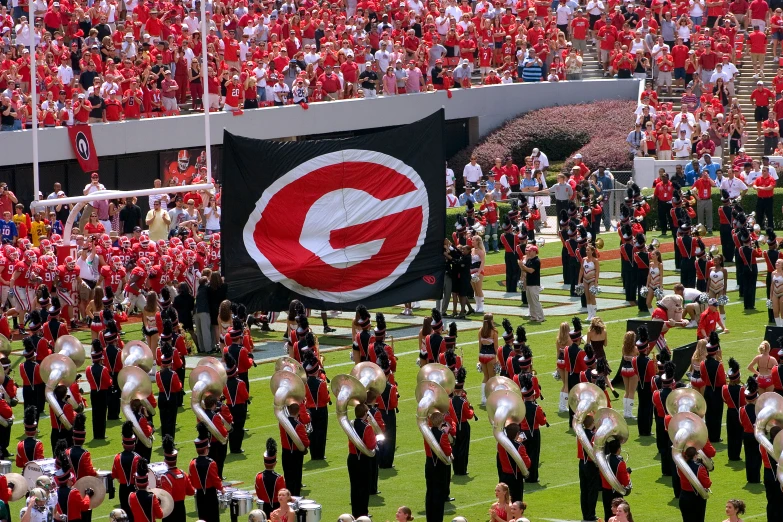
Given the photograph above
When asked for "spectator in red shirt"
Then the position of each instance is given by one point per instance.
(761, 96)
(771, 131)
(705, 145)
(663, 192)
(758, 48)
(703, 193)
(81, 110)
(765, 187)
(350, 70)
(330, 83)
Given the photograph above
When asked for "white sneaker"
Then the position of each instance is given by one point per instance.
(692, 324)
(415, 305)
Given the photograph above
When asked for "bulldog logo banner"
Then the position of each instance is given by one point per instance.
(335, 223)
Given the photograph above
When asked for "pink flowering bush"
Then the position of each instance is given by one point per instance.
(596, 130)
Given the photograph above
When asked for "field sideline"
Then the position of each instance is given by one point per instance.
(555, 498)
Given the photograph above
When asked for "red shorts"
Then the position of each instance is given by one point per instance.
(765, 381)
(487, 358)
(561, 364)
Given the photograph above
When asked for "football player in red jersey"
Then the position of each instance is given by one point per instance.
(167, 273)
(7, 260)
(213, 253)
(104, 250)
(192, 271)
(181, 170)
(27, 276)
(125, 252)
(113, 275)
(147, 248)
(135, 289)
(49, 272)
(68, 283)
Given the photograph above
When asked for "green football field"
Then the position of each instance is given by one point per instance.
(556, 497)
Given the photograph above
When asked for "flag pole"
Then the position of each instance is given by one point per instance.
(34, 96)
(205, 81)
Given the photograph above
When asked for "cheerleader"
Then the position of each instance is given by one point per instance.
(734, 397)
(654, 276)
(588, 278)
(628, 373)
(776, 292)
(747, 415)
(716, 284)
(598, 337)
(464, 413)
(505, 351)
(561, 343)
(149, 320)
(477, 258)
(699, 356)
(771, 256)
(762, 365)
(488, 348)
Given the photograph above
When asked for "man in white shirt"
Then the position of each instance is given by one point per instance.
(540, 156)
(383, 58)
(449, 176)
(684, 121)
(682, 146)
(730, 70)
(94, 185)
(472, 171)
(733, 185)
(311, 56)
(563, 15)
(773, 173)
(65, 74)
(163, 198)
(191, 21)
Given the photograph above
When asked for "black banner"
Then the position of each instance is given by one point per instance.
(335, 223)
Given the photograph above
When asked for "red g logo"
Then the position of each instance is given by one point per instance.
(340, 227)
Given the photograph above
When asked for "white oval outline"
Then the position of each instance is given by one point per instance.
(301, 170)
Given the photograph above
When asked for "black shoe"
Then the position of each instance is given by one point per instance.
(237, 452)
(328, 330)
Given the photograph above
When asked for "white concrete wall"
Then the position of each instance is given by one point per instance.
(490, 106)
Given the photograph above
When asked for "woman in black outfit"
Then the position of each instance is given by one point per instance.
(185, 305)
(216, 295)
(463, 281)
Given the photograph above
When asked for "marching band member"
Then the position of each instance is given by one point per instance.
(627, 266)
(619, 469)
(387, 405)
(124, 468)
(771, 484)
(100, 381)
(645, 369)
(144, 504)
(54, 328)
(29, 448)
(747, 255)
(316, 401)
(362, 344)
(734, 397)
(562, 234)
(714, 376)
(589, 481)
(662, 440)
(241, 354)
(141, 414)
(509, 241)
(747, 415)
(771, 256)
(269, 482)
(701, 265)
(204, 477)
(437, 475)
(574, 359)
(175, 481)
(292, 457)
(572, 247)
(7, 384)
(641, 265)
(463, 414)
(504, 352)
(374, 413)
(216, 414)
(380, 345)
(71, 506)
(686, 245)
(724, 217)
(237, 397)
(534, 418)
(434, 343)
(59, 431)
(42, 347)
(80, 458)
(360, 466)
(169, 388)
(508, 470)
(113, 362)
(692, 505)
(562, 343)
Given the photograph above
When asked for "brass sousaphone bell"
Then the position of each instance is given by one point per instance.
(134, 384)
(506, 407)
(205, 380)
(498, 382)
(434, 384)
(287, 389)
(769, 413)
(682, 400)
(686, 430)
(585, 399)
(57, 370)
(609, 424)
(372, 378)
(349, 391)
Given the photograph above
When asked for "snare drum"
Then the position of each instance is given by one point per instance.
(224, 499)
(259, 504)
(241, 503)
(310, 512)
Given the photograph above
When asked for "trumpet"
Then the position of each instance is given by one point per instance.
(688, 430)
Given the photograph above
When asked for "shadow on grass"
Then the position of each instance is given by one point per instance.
(645, 441)
(98, 443)
(666, 481)
(752, 311)
(236, 457)
(754, 488)
(387, 472)
(461, 479)
(735, 464)
(311, 465)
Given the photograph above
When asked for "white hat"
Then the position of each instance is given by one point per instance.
(235, 77)
(113, 91)
(536, 151)
(759, 82)
(129, 35)
(577, 156)
(464, 61)
(81, 95)
(742, 149)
